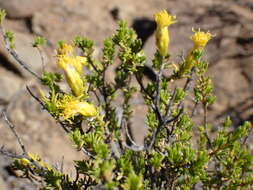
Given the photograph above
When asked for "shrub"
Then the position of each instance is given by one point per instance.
(172, 155)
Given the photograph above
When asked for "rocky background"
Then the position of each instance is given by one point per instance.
(230, 55)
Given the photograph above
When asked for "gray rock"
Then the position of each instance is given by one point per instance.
(23, 8)
(9, 85)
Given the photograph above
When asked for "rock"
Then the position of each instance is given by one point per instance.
(9, 85)
(247, 69)
(30, 55)
(23, 8)
(231, 88)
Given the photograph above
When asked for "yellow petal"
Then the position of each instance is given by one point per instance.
(87, 109)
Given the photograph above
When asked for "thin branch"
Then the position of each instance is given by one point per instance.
(134, 148)
(35, 97)
(161, 126)
(12, 128)
(42, 59)
(158, 86)
(25, 153)
(171, 101)
(189, 80)
(143, 89)
(62, 164)
(205, 126)
(15, 54)
(128, 134)
(194, 109)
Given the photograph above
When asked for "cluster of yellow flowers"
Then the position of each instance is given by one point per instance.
(73, 104)
(72, 66)
(70, 105)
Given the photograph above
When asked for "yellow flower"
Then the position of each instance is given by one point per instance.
(163, 20)
(73, 77)
(71, 106)
(200, 38)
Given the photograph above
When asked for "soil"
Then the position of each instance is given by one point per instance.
(230, 55)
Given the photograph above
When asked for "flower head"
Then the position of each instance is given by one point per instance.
(71, 106)
(163, 20)
(200, 38)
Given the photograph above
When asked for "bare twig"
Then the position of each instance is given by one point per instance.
(42, 59)
(134, 148)
(171, 101)
(12, 128)
(206, 127)
(15, 54)
(62, 164)
(143, 89)
(158, 85)
(189, 80)
(194, 108)
(35, 97)
(21, 144)
(128, 135)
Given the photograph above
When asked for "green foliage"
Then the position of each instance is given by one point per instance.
(177, 152)
(39, 41)
(2, 15)
(11, 38)
(84, 44)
